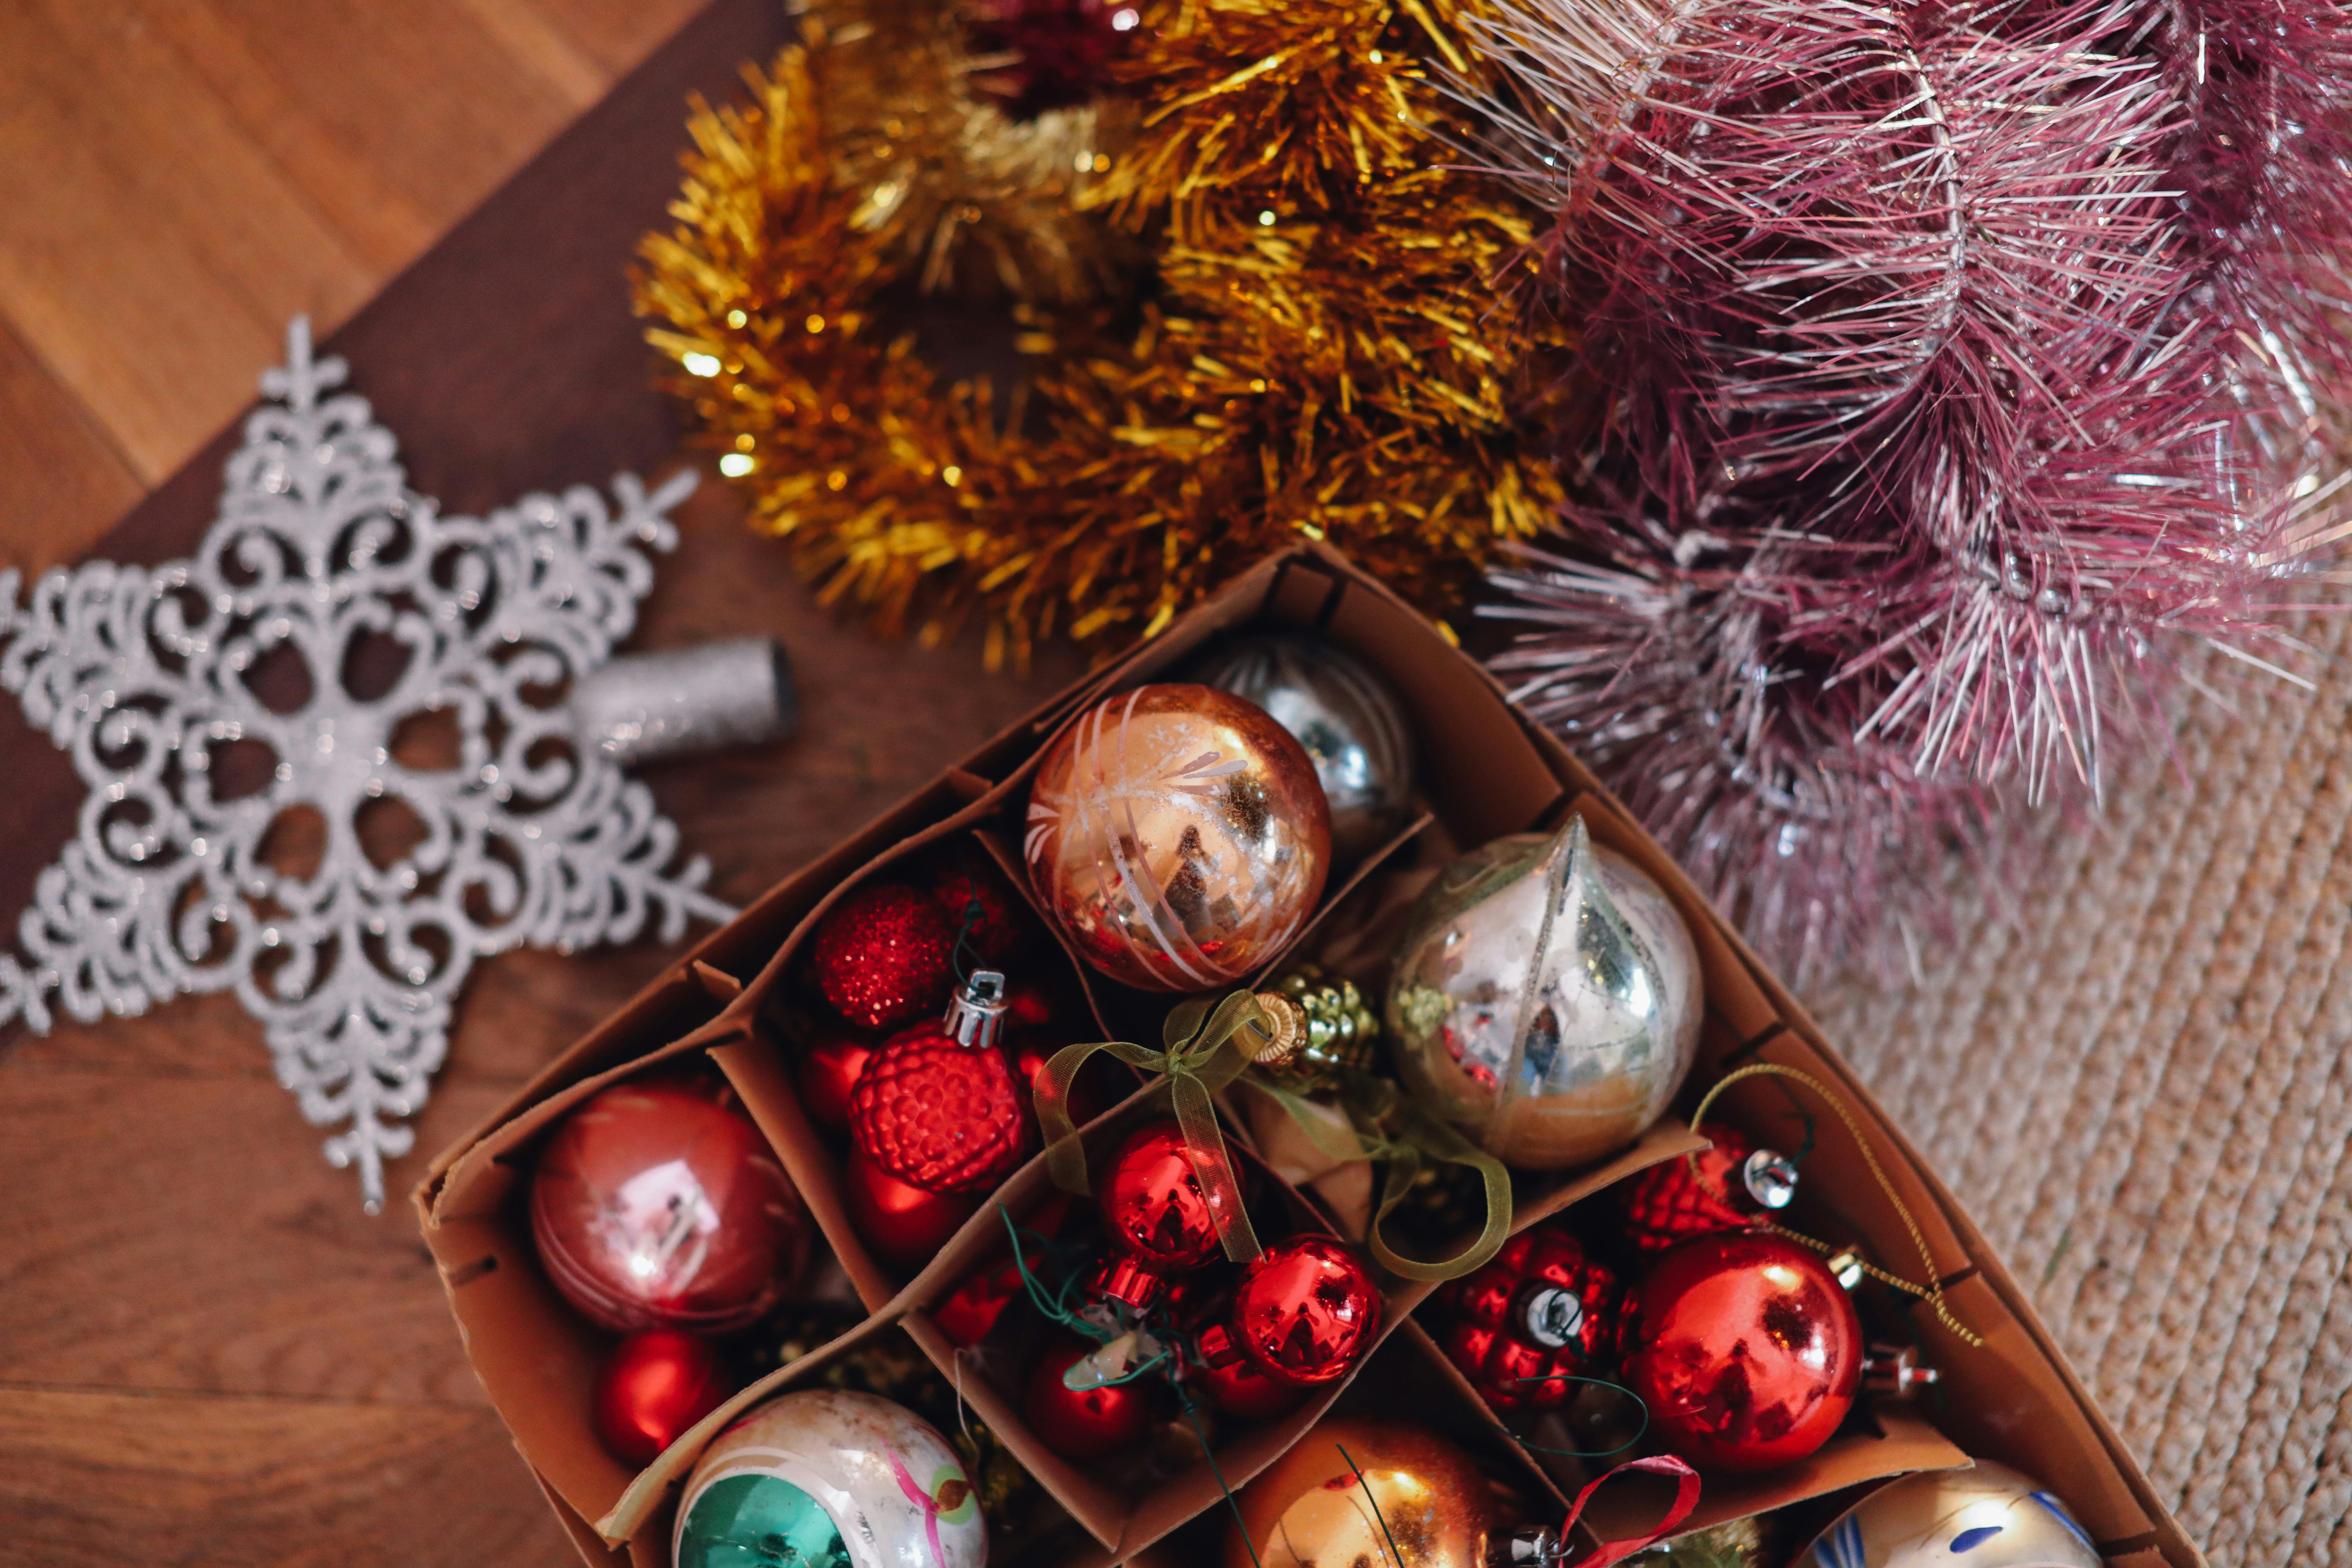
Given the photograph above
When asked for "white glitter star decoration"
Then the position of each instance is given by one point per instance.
(154, 680)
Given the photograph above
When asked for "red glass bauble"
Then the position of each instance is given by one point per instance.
(1243, 1389)
(1160, 1217)
(828, 1075)
(656, 1204)
(1083, 1424)
(1062, 49)
(1745, 1348)
(885, 956)
(1537, 1310)
(904, 1224)
(1736, 1183)
(938, 1113)
(654, 1386)
(1305, 1309)
(982, 909)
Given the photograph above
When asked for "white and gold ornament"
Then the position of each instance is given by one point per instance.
(1987, 1516)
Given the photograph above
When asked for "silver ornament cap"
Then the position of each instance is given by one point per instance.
(1545, 998)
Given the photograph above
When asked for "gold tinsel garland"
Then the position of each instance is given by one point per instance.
(1255, 302)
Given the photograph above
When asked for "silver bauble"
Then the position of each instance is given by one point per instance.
(1987, 1516)
(1545, 998)
(1346, 717)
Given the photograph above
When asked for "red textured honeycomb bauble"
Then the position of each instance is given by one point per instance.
(1745, 1348)
(982, 908)
(885, 956)
(654, 1386)
(1736, 1183)
(939, 1114)
(903, 1225)
(1305, 1309)
(1539, 1311)
(1083, 1424)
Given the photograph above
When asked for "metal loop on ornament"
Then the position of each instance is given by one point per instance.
(686, 701)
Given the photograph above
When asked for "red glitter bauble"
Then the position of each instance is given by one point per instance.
(1538, 1310)
(657, 1206)
(654, 1385)
(1665, 1203)
(885, 956)
(939, 1114)
(982, 909)
(1305, 1309)
(1745, 1348)
(903, 1225)
(828, 1075)
(1083, 1424)
(1242, 1388)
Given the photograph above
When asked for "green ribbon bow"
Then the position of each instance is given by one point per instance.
(1206, 1049)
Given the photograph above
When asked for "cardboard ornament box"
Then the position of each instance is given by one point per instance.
(1484, 771)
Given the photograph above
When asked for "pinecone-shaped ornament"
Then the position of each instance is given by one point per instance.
(937, 1107)
(1737, 1184)
(1322, 1026)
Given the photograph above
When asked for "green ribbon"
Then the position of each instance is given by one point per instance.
(1206, 1049)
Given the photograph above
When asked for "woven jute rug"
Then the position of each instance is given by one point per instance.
(2131, 1067)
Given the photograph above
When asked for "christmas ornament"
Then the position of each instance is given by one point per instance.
(884, 956)
(1086, 1420)
(1246, 1391)
(207, 699)
(1546, 997)
(1306, 1311)
(903, 1224)
(1374, 1494)
(1727, 1186)
(654, 1205)
(849, 1481)
(827, 1077)
(1178, 835)
(991, 926)
(1160, 1217)
(1745, 1348)
(1326, 1030)
(1061, 50)
(1931, 439)
(1308, 346)
(1347, 717)
(654, 1385)
(1524, 1323)
(1987, 1516)
(937, 1107)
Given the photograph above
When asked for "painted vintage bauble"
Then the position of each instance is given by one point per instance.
(939, 1114)
(904, 1224)
(1085, 1423)
(1734, 1184)
(831, 1478)
(653, 1387)
(1305, 1309)
(1160, 1218)
(827, 1076)
(1346, 717)
(885, 956)
(659, 1205)
(1745, 1348)
(1179, 836)
(1988, 1516)
(1349, 1487)
(1545, 998)
(1537, 1314)
(983, 910)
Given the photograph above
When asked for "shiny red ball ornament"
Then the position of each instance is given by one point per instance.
(904, 1224)
(654, 1386)
(1305, 1309)
(827, 1077)
(659, 1205)
(885, 956)
(1085, 1423)
(1242, 1389)
(983, 910)
(1160, 1219)
(1737, 1184)
(1537, 1312)
(940, 1114)
(1745, 1348)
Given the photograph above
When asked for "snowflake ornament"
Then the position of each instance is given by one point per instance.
(212, 705)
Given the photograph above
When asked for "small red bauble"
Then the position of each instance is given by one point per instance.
(654, 1386)
(828, 1075)
(1083, 1424)
(1305, 1309)
(885, 956)
(983, 910)
(939, 1114)
(904, 1224)
(657, 1206)
(1242, 1388)
(1745, 1348)
(1735, 1183)
(1160, 1217)
(1539, 1310)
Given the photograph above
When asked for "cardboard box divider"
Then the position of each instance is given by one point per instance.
(1487, 771)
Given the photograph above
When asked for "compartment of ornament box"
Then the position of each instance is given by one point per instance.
(1488, 772)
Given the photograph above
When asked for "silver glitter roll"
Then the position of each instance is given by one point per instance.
(686, 701)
